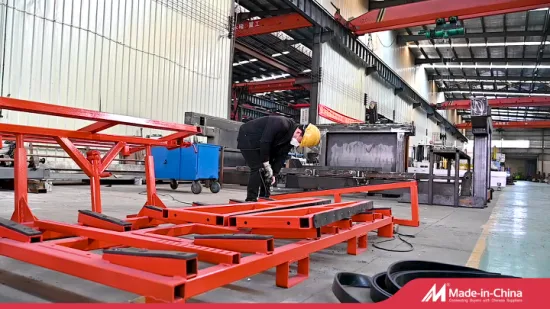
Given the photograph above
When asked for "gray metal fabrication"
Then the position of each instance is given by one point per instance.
(482, 129)
(375, 147)
(222, 132)
(454, 190)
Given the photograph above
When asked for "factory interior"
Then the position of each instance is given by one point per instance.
(420, 148)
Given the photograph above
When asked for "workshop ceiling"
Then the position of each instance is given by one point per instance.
(498, 56)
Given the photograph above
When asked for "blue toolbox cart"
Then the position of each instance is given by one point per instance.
(199, 162)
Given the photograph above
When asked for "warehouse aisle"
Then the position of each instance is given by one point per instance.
(516, 235)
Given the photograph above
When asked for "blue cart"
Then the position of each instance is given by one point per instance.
(200, 162)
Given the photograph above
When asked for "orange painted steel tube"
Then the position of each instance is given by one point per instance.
(92, 267)
(289, 218)
(220, 275)
(143, 241)
(220, 214)
(337, 194)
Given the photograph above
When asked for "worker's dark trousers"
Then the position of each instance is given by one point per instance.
(256, 181)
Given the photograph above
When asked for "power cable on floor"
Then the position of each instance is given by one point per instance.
(168, 195)
(400, 237)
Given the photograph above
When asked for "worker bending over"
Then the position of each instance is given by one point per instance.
(265, 143)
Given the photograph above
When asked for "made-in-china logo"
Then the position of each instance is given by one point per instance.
(445, 293)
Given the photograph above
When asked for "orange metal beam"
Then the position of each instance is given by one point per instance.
(273, 85)
(426, 12)
(544, 124)
(85, 114)
(337, 193)
(271, 24)
(507, 102)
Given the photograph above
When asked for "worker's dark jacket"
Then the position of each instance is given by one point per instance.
(270, 135)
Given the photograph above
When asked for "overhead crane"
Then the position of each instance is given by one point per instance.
(498, 103)
(543, 124)
(426, 12)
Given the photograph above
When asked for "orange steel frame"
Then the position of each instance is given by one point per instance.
(531, 124)
(497, 103)
(426, 12)
(144, 258)
(337, 195)
(268, 25)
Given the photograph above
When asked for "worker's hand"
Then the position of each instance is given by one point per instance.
(273, 180)
(268, 170)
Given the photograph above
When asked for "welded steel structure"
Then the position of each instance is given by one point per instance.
(142, 257)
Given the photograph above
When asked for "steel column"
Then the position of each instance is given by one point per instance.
(316, 75)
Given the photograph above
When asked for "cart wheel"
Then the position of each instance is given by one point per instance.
(215, 187)
(196, 187)
(173, 184)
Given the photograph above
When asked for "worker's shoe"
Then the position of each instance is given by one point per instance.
(251, 200)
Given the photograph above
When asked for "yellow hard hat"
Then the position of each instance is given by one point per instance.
(312, 136)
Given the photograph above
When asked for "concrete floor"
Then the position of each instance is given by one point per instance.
(511, 228)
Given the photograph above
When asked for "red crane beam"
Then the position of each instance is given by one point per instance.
(274, 85)
(499, 103)
(268, 25)
(426, 12)
(543, 124)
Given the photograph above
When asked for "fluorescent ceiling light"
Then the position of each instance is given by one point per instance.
(306, 71)
(466, 80)
(488, 66)
(260, 79)
(500, 93)
(447, 45)
(276, 55)
(244, 62)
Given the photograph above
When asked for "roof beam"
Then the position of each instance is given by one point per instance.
(510, 92)
(265, 59)
(412, 38)
(275, 85)
(508, 60)
(543, 124)
(271, 24)
(497, 103)
(247, 15)
(487, 78)
(382, 4)
(426, 12)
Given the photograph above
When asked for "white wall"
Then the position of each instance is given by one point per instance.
(342, 85)
(141, 58)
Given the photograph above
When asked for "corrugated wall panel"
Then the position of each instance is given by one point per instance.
(342, 85)
(144, 58)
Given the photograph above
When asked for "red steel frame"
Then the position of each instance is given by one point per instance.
(337, 195)
(426, 12)
(268, 25)
(135, 258)
(535, 124)
(496, 103)
(274, 85)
